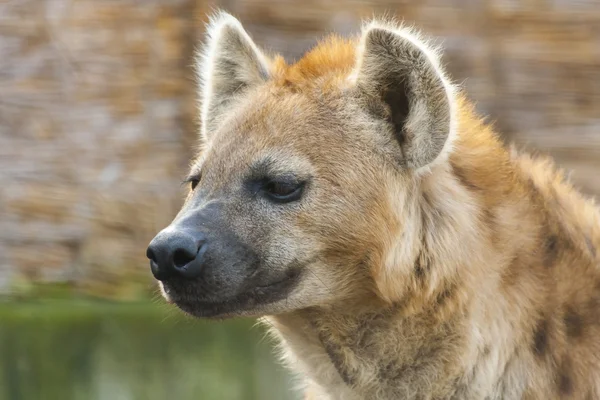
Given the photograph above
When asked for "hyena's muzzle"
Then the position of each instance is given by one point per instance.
(207, 270)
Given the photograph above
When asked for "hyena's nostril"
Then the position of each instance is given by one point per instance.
(189, 261)
(160, 273)
(182, 257)
(150, 254)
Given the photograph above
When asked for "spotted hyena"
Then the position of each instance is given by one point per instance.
(398, 250)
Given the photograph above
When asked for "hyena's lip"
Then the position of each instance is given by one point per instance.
(247, 303)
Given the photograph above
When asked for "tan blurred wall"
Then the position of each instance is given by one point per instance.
(95, 106)
(97, 109)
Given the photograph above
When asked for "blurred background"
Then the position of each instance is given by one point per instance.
(97, 124)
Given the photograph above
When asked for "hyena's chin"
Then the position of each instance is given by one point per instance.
(257, 298)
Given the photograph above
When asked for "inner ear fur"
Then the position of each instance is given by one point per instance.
(400, 71)
(229, 64)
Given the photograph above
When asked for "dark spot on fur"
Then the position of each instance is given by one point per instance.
(428, 224)
(444, 295)
(573, 323)
(421, 264)
(334, 355)
(392, 371)
(533, 190)
(565, 382)
(590, 246)
(540, 338)
(371, 323)
(486, 351)
(419, 270)
(334, 351)
(550, 250)
(489, 218)
(565, 385)
(510, 275)
(460, 389)
(461, 175)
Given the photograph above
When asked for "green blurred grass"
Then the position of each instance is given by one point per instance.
(83, 349)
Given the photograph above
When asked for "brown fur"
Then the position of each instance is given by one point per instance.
(332, 59)
(476, 276)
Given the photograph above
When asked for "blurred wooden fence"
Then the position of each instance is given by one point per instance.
(97, 112)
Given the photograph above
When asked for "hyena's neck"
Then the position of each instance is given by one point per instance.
(472, 299)
(372, 355)
(444, 333)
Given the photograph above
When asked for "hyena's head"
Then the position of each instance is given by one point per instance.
(296, 198)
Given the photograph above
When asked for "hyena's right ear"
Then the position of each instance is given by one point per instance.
(400, 79)
(229, 64)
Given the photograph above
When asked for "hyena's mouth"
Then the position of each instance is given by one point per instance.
(185, 296)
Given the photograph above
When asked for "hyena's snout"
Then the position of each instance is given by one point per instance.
(177, 252)
(208, 268)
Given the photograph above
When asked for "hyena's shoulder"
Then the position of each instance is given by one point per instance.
(564, 342)
(576, 217)
(549, 235)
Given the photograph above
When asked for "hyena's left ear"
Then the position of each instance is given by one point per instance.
(397, 70)
(229, 64)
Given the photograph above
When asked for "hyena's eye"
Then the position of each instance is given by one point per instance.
(193, 180)
(283, 191)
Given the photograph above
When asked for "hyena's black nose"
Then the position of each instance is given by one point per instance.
(176, 253)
